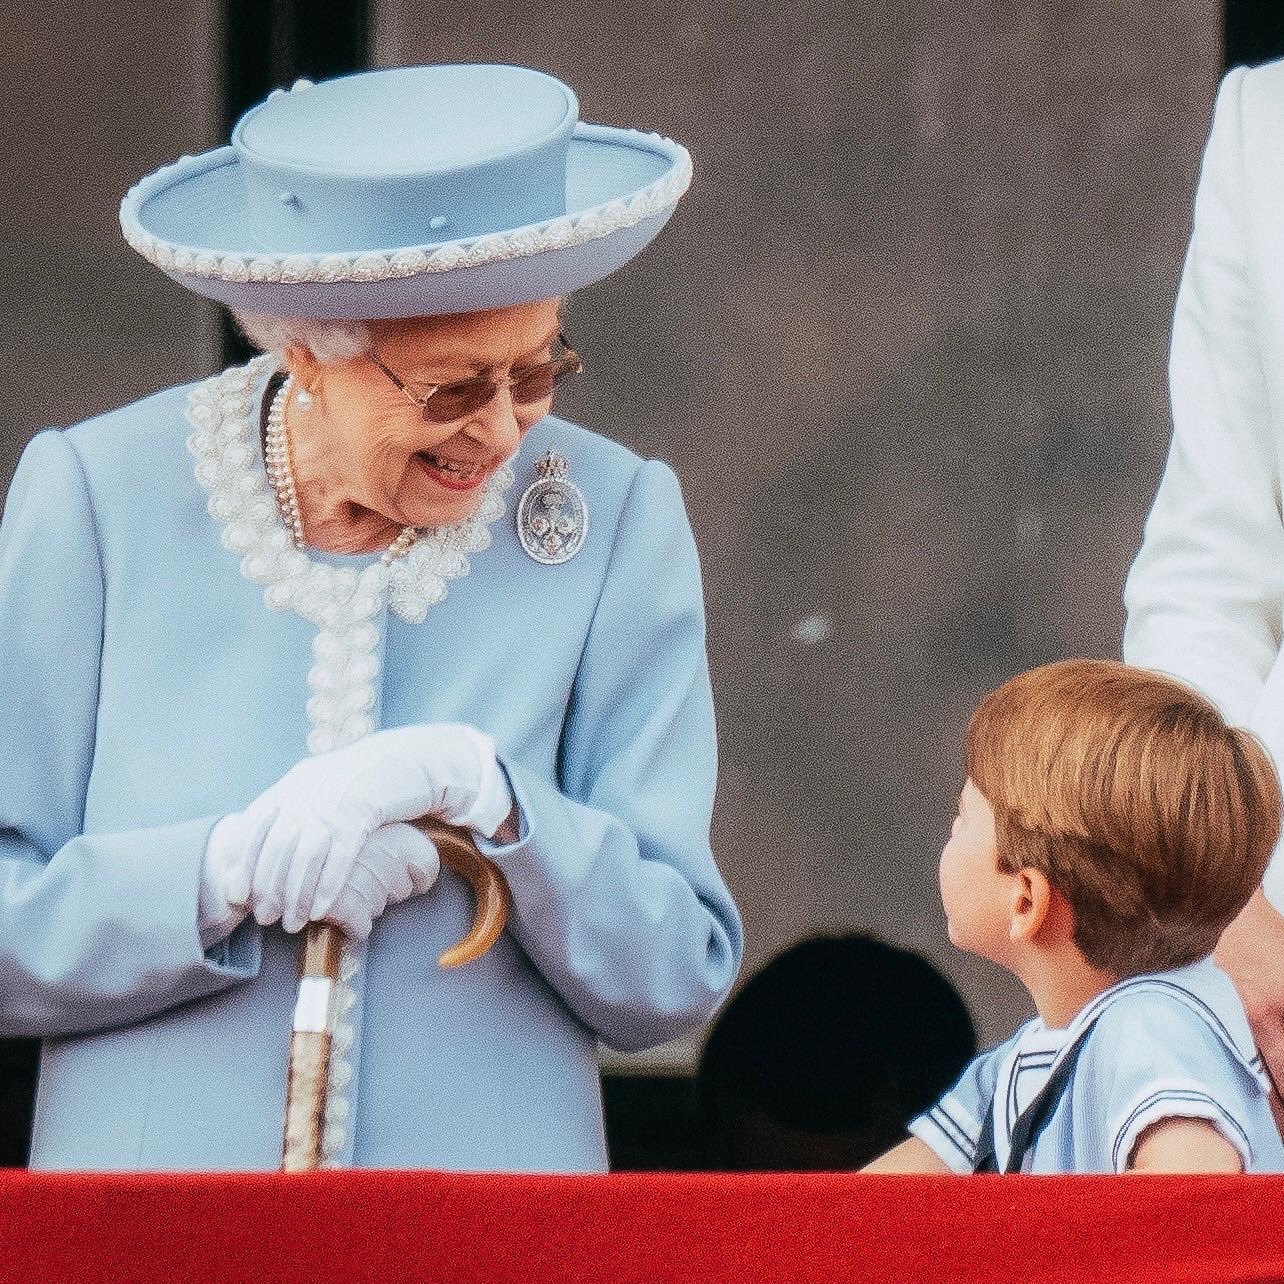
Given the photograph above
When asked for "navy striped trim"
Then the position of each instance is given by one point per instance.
(953, 1132)
(1189, 1097)
(1157, 983)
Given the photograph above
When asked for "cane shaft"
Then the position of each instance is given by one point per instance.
(305, 1101)
(322, 945)
(309, 1070)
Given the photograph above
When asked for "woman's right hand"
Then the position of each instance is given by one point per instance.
(396, 862)
(300, 839)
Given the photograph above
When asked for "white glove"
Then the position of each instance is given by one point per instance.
(397, 862)
(300, 838)
(219, 908)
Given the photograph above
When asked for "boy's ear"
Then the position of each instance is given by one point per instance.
(1031, 901)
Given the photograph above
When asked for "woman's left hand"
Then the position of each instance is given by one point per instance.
(302, 836)
(397, 862)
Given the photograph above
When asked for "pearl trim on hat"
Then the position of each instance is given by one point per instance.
(559, 233)
(343, 603)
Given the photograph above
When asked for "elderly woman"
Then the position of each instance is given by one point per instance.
(235, 671)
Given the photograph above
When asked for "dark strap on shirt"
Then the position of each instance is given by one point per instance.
(1031, 1121)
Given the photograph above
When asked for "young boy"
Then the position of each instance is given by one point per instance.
(1110, 828)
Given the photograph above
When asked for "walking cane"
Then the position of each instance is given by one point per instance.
(309, 1069)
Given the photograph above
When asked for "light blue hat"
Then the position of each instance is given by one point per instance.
(414, 191)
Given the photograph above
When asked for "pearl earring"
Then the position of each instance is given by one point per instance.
(303, 399)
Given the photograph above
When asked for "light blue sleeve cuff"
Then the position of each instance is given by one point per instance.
(487, 846)
(105, 933)
(629, 943)
(950, 1132)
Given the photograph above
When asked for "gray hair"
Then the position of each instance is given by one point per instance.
(330, 341)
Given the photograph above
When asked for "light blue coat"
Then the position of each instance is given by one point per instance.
(146, 690)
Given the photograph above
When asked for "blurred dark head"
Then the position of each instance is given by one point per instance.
(826, 1054)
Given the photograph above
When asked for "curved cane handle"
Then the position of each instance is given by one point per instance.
(459, 852)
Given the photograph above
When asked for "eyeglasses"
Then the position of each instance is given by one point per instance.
(443, 402)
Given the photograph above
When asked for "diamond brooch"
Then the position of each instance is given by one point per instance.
(552, 517)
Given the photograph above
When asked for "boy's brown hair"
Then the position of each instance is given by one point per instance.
(1127, 790)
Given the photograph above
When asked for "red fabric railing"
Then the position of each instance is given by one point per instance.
(638, 1228)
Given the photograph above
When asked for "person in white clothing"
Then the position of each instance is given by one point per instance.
(1205, 596)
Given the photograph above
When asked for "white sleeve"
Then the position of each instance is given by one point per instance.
(1175, 1098)
(1150, 1060)
(1204, 595)
(952, 1127)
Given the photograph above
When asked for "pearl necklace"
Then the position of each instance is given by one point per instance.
(280, 471)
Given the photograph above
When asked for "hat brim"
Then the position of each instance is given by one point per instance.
(190, 220)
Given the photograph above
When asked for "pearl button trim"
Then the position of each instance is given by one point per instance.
(341, 602)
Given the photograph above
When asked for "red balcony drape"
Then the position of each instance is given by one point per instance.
(638, 1228)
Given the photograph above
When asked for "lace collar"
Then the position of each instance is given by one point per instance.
(223, 411)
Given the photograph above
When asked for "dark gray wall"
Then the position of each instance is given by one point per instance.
(93, 97)
(904, 343)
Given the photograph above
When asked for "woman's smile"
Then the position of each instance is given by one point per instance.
(453, 474)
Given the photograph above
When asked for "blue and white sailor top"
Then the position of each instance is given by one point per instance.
(1152, 1047)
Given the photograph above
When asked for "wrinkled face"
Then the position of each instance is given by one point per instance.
(380, 453)
(977, 897)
